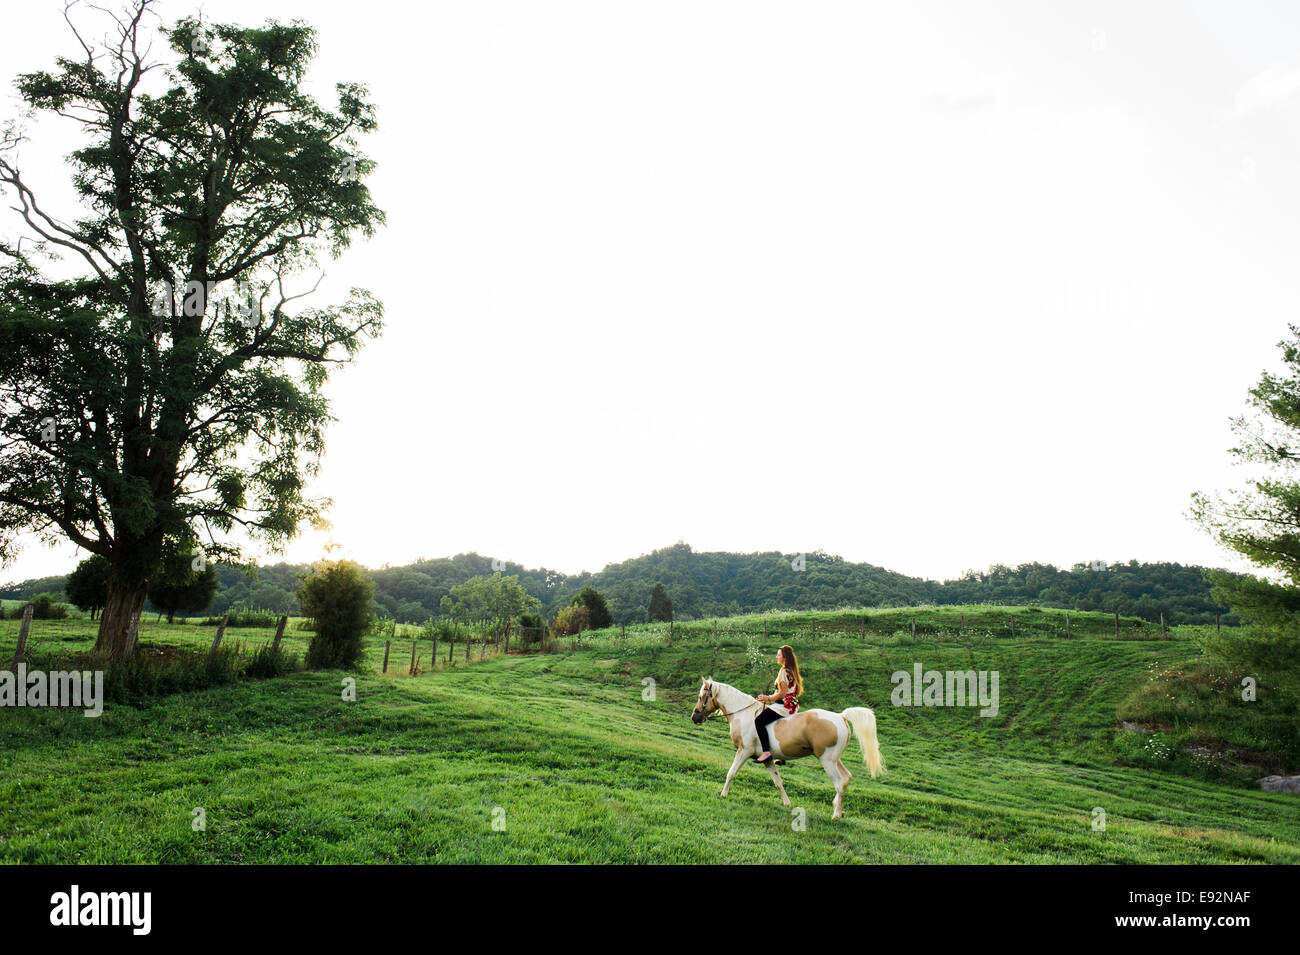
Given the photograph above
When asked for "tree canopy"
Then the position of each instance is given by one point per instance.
(184, 584)
(171, 394)
(488, 602)
(87, 586)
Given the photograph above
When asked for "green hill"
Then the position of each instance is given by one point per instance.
(564, 752)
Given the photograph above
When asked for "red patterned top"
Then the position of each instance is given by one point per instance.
(790, 702)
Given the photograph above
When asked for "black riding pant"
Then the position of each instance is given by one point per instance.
(760, 723)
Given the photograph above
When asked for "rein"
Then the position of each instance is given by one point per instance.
(733, 712)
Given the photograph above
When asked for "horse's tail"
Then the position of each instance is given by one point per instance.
(863, 722)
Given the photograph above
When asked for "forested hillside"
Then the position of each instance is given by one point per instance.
(723, 584)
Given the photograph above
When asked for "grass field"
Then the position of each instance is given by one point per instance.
(572, 764)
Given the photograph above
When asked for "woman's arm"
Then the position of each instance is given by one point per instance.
(782, 688)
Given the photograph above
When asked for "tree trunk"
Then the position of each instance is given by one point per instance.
(123, 607)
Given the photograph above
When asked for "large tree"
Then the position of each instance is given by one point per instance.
(172, 392)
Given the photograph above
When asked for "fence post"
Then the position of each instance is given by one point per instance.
(1216, 621)
(1013, 627)
(411, 672)
(388, 645)
(216, 642)
(864, 628)
(1163, 632)
(814, 635)
(764, 630)
(1116, 624)
(1067, 626)
(433, 657)
(715, 640)
(670, 640)
(913, 637)
(963, 624)
(469, 642)
(279, 632)
(22, 638)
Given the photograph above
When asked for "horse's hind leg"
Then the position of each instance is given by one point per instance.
(776, 778)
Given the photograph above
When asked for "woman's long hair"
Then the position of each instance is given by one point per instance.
(793, 666)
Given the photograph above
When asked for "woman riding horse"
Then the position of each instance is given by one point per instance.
(785, 701)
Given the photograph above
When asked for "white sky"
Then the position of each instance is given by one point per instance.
(929, 285)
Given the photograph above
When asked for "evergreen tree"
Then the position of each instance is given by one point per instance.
(661, 607)
(1259, 522)
(598, 615)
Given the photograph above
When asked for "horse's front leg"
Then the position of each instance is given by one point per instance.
(731, 773)
(776, 778)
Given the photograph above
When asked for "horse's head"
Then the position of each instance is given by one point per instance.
(707, 703)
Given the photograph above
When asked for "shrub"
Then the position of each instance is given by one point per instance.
(569, 621)
(267, 662)
(47, 607)
(245, 617)
(443, 629)
(159, 671)
(336, 595)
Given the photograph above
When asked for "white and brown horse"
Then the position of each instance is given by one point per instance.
(820, 733)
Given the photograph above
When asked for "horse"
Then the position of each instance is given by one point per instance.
(820, 732)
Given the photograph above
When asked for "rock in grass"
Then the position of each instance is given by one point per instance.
(1280, 784)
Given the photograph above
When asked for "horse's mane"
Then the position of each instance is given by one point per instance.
(733, 689)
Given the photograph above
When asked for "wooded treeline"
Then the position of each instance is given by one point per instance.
(706, 584)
